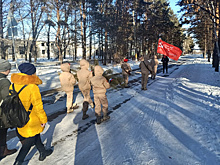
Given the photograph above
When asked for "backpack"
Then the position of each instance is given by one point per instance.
(12, 111)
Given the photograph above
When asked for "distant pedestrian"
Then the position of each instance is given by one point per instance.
(146, 69)
(84, 76)
(67, 82)
(154, 64)
(100, 84)
(32, 101)
(5, 68)
(126, 71)
(165, 61)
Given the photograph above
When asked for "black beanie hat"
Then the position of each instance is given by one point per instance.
(27, 68)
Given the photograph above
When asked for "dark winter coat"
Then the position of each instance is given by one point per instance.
(165, 59)
(4, 89)
(4, 86)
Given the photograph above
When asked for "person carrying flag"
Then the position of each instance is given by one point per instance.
(165, 61)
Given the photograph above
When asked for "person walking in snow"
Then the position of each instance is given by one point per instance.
(100, 84)
(154, 64)
(5, 68)
(126, 71)
(165, 61)
(146, 69)
(84, 76)
(67, 82)
(31, 99)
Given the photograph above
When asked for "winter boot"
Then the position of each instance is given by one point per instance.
(92, 105)
(70, 110)
(105, 117)
(98, 119)
(74, 106)
(85, 109)
(4, 151)
(44, 154)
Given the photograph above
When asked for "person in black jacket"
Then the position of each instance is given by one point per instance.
(165, 61)
(5, 68)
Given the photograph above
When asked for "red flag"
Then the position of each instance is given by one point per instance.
(169, 50)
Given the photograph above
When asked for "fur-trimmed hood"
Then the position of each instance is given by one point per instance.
(23, 79)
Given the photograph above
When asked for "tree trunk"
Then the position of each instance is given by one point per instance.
(58, 37)
(90, 42)
(3, 54)
(75, 37)
(84, 30)
(64, 43)
(106, 48)
(48, 43)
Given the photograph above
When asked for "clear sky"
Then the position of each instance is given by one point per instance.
(175, 7)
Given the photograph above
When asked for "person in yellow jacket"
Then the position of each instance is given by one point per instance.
(31, 99)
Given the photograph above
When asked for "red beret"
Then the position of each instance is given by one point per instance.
(125, 60)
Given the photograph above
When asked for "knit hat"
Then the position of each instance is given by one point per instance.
(27, 68)
(125, 60)
(4, 65)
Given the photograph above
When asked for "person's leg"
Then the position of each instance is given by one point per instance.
(4, 151)
(3, 134)
(86, 95)
(166, 67)
(104, 102)
(97, 108)
(145, 79)
(85, 109)
(26, 146)
(69, 101)
(126, 80)
(142, 80)
(40, 147)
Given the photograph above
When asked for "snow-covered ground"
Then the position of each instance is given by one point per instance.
(175, 122)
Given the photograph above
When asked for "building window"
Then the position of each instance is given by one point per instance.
(42, 44)
(43, 51)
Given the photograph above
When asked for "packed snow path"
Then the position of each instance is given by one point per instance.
(175, 122)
